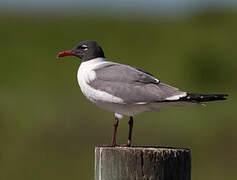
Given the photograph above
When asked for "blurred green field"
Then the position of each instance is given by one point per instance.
(48, 129)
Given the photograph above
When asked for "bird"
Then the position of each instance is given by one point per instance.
(126, 90)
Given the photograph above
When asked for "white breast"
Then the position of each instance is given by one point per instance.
(85, 75)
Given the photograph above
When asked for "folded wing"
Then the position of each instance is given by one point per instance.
(132, 85)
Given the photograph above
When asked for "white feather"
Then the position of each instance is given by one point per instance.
(119, 116)
(90, 76)
(85, 75)
(176, 97)
(141, 103)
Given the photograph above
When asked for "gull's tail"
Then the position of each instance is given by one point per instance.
(204, 97)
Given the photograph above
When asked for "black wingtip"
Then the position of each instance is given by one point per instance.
(205, 97)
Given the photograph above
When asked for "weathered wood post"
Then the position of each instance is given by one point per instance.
(142, 163)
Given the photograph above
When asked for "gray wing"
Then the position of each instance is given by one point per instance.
(132, 84)
(123, 73)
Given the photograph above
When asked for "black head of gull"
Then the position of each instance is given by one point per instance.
(85, 50)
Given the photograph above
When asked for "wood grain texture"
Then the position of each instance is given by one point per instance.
(142, 163)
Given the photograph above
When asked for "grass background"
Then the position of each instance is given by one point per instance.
(48, 129)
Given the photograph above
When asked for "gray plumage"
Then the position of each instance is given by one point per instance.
(131, 84)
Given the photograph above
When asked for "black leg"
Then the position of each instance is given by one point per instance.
(116, 122)
(130, 122)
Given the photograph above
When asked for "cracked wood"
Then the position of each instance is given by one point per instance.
(142, 163)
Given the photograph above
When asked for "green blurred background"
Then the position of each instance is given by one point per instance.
(48, 129)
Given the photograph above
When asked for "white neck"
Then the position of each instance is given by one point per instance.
(95, 60)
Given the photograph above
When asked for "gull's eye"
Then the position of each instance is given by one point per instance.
(84, 47)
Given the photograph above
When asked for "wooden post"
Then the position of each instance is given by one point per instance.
(142, 163)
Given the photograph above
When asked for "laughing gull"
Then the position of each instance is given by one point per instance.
(126, 90)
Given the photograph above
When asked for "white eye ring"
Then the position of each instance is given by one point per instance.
(84, 47)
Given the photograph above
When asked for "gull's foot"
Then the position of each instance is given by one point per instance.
(108, 145)
(125, 145)
(128, 144)
(115, 145)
